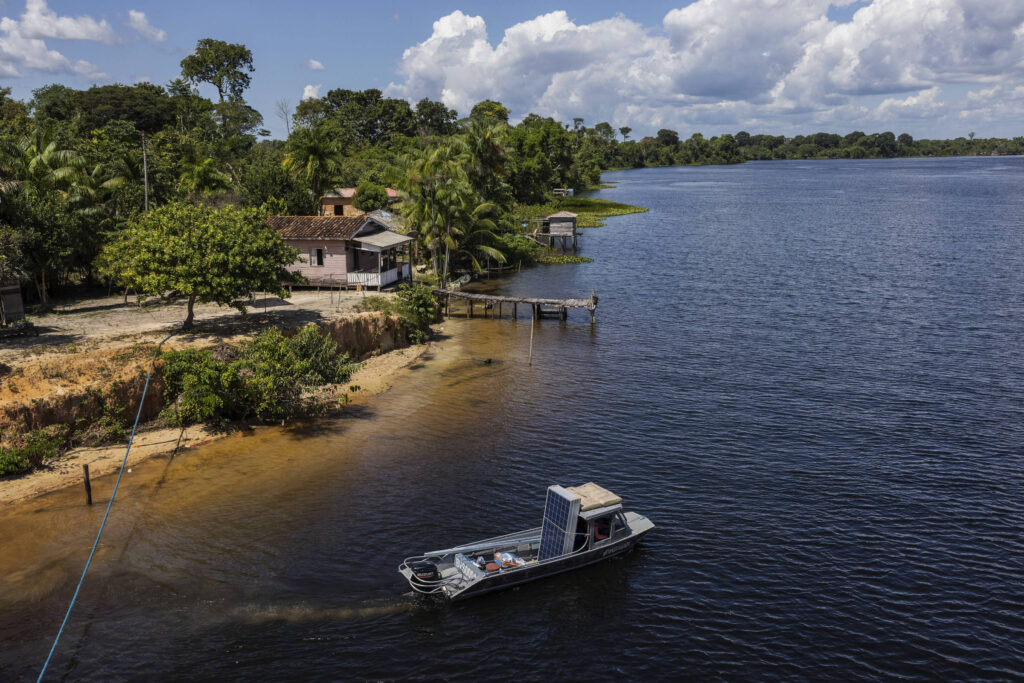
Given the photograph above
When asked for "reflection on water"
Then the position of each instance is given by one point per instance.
(808, 375)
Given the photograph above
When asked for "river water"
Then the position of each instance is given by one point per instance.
(808, 375)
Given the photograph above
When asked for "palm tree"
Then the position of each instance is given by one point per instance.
(441, 204)
(38, 176)
(37, 161)
(203, 179)
(315, 157)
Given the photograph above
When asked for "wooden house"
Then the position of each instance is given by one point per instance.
(562, 223)
(346, 251)
(11, 305)
(338, 202)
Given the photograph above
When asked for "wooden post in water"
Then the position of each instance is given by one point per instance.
(532, 325)
(470, 308)
(88, 486)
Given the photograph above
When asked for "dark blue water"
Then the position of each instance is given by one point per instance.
(809, 375)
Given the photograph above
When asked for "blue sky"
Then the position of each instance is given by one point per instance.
(928, 67)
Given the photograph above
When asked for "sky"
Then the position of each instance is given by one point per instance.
(931, 68)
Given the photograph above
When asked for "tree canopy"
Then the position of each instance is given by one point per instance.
(209, 255)
(225, 66)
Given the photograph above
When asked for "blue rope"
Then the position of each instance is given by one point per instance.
(110, 503)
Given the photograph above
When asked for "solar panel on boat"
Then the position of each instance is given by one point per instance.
(559, 527)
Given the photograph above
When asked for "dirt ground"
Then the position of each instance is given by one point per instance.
(105, 322)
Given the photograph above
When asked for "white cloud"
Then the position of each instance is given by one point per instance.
(924, 104)
(138, 21)
(39, 21)
(774, 64)
(315, 65)
(22, 44)
(89, 71)
(311, 92)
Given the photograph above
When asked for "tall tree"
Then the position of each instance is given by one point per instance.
(226, 66)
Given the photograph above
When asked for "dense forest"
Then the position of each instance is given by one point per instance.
(80, 168)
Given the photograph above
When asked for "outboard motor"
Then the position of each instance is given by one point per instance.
(425, 571)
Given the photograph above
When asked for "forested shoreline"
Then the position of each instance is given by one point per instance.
(80, 168)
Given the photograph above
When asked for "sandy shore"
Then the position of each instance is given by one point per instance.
(375, 376)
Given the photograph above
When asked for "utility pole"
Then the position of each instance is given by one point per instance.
(145, 175)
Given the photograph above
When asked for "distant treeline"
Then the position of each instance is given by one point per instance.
(666, 148)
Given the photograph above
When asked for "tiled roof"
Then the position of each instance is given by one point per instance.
(317, 227)
(563, 214)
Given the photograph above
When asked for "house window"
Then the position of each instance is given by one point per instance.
(316, 257)
(339, 210)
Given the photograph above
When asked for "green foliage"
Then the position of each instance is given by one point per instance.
(490, 111)
(37, 447)
(415, 304)
(266, 381)
(418, 306)
(210, 256)
(11, 462)
(313, 156)
(225, 66)
(264, 178)
(200, 388)
(555, 258)
(370, 197)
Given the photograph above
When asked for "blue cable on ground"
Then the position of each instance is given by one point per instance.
(110, 503)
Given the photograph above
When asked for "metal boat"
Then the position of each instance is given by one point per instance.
(581, 525)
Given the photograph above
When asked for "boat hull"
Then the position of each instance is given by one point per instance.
(507, 579)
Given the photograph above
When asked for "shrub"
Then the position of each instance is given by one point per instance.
(38, 446)
(201, 388)
(11, 462)
(415, 304)
(267, 379)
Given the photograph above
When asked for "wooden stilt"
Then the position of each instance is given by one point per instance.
(88, 485)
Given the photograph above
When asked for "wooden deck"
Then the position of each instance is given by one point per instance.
(541, 307)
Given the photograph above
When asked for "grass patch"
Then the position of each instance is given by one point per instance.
(591, 210)
(555, 258)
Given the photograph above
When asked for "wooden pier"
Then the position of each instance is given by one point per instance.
(557, 308)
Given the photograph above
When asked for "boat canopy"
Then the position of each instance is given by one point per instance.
(593, 496)
(601, 512)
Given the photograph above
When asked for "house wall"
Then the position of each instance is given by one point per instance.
(336, 258)
(328, 204)
(562, 226)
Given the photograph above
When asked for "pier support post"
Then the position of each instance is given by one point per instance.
(563, 313)
(88, 485)
(470, 308)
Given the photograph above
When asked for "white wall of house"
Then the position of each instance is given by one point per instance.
(335, 259)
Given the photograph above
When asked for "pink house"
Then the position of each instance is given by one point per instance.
(346, 250)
